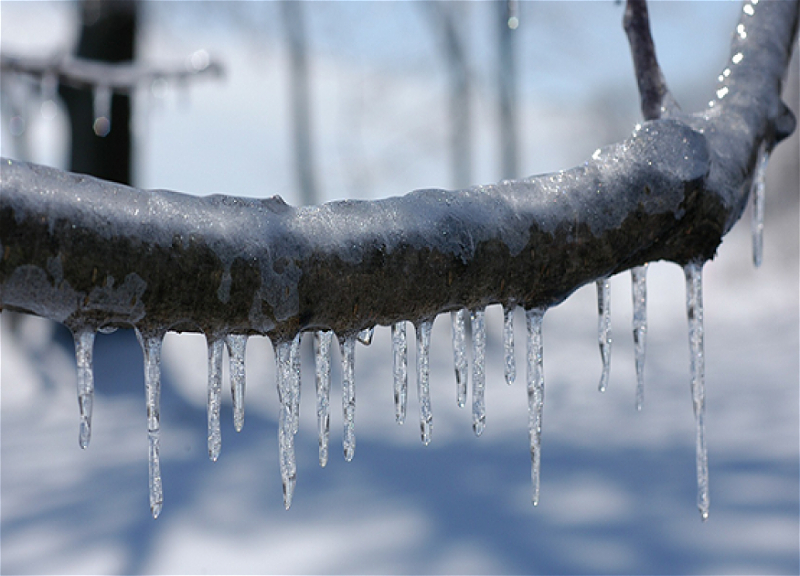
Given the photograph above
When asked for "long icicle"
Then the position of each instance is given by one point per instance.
(533, 319)
(423, 381)
(604, 329)
(478, 324)
(348, 347)
(215, 349)
(509, 363)
(639, 293)
(460, 354)
(322, 369)
(151, 342)
(400, 370)
(286, 455)
(294, 381)
(84, 344)
(694, 311)
(237, 346)
(757, 191)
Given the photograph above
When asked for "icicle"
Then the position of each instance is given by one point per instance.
(534, 318)
(365, 336)
(478, 324)
(423, 384)
(460, 355)
(694, 311)
(509, 363)
(101, 102)
(237, 344)
(84, 342)
(400, 367)
(348, 347)
(322, 364)
(151, 348)
(215, 349)
(757, 192)
(286, 456)
(639, 290)
(604, 329)
(295, 381)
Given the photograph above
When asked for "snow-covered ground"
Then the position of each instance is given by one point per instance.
(618, 487)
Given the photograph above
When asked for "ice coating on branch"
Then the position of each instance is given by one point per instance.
(348, 350)
(460, 354)
(757, 191)
(400, 370)
(215, 349)
(285, 385)
(84, 343)
(694, 312)
(237, 346)
(478, 324)
(322, 370)
(639, 293)
(509, 364)
(365, 336)
(604, 329)
(533, 319)
(295, 381)
(151, 348)
(423, 382)
(101, 103)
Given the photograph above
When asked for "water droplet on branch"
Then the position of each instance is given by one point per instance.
(365, 336)
(101, 101)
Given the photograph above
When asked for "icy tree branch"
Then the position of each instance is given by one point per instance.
(89, 253)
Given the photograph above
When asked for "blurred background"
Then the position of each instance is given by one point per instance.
(330, 100)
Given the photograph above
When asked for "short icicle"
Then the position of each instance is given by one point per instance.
(151, 342)
(365, 336)
(533, 319)
(84, 344)
(423, 381)
(101, 102)
(286, 455)
(694, 311)
(478, 324)
(400, 370)
(639, 293)
(509, 363)
(322, 369)
(237, 346)
(757, 191)
(348, 348)
(215, 349)
(604, 329)
(460, 354)
(294, 381)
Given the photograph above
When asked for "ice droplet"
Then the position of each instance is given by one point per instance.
(294, 381)
(478, 324)
(348, 347)
(101, 102)
(237, 345)
(604, 329)
(151, 341)
(286, 456)
(533, 319)
(215, 349)
(694, 312)
(510, 365)
(322, 369)
(639, 293)
(757, 191)
(423, 383)
(400, 369)
(84, 343)
(365, 336)
(460, 354)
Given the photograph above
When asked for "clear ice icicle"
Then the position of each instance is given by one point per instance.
(101, 101)
(322, 369)
(509, 364)
(533, 319)
(400, 369)
(604, 329)
(295, 381)
(478, 324)
(237, 345)
(286, 456)
(151, 349)
(365, 336)
(423, 381)
(215, 349)
(460, 354)
(348, 347)
(84, 343)
(694, 311)
(757, 191)
(639, 293)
